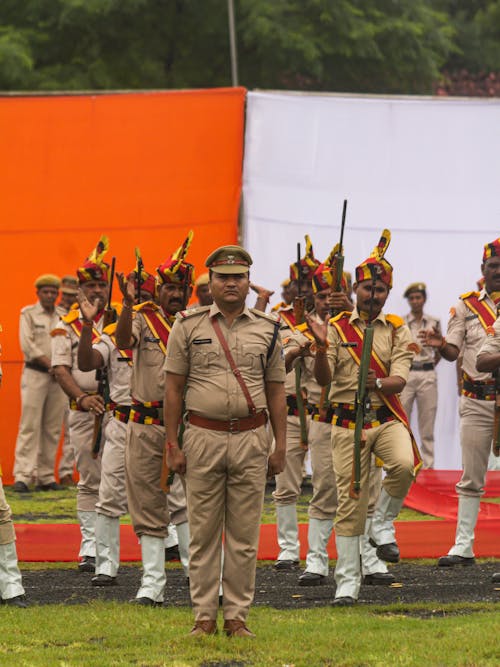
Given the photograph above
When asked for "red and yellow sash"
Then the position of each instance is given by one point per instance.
(352, 334)
(288, 317)
(482, 309)
(157, 324)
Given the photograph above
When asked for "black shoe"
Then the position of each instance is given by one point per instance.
(18, 601)
(286, 564)
(103, 580)
(495, 579)
(20, 487)
(386, 552)
(343, 602)
(379, 579)
(146, 602)
(52, 486)
(172, 553)
(311, 579)
(87, 564)
(450, 561)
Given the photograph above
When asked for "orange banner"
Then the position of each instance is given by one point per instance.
(143, 168)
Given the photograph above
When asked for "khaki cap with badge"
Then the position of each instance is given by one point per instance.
(48, 280)
(415, 287)
(69, 285)
(229, 259)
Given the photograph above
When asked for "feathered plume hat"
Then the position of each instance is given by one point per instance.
(384, 269)
(308, 264)
(323, 276)
(175, 269)
(94, 267)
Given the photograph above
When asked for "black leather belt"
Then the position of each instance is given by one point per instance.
(381, 414)
(422, 367)
(36, 367)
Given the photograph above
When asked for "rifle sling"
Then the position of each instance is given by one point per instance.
(236, 371)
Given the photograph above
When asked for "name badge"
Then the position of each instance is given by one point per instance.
(348, 345)
(151, 339)
(470, 317)
(202, 341)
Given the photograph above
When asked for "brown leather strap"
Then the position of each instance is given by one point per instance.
(230, 426)
(236, 371)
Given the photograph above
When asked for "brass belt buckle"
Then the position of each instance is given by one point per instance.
(234, 425)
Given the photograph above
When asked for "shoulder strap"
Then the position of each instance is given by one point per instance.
(273, 340)
(236, 371)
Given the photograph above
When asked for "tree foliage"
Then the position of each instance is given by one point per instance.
(376, 46)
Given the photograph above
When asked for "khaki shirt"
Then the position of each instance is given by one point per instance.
(35, 326)
(428, 322)
(491, 344)
(194, 351)
(466, 332)
(119, 370)
(65, 353)
(148, 375)
(392, 345)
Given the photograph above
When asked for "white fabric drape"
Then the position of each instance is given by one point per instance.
(428, 169)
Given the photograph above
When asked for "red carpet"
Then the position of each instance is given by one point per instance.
(433, 493)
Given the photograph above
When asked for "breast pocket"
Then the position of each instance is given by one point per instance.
(205, 359)
(252, 356)
(151, 354)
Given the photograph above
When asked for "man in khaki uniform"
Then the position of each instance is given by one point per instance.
(11, 587)
(86, 406)
(202, 291)
(289, 482)
(488, 359)
(148, 335)
(105, 356)
(338, 349)
(422, 381)
(42, 400)
(225, 361)
(471, 322)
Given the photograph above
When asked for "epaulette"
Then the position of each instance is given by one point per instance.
(272, 317)
(110, 329)
(301, 327)
(117, 306)
(467, 294)
(344, 313)
(26, 308)
(149, 305)
(71, 316)
(58, 332)
(395, 320)
(184, 314)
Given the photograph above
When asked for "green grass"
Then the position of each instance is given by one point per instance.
(60, 507)
(107, 634)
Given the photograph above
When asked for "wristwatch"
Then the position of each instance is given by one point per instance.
(378, 384)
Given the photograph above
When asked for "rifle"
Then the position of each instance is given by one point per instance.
(338, 260)
(138, 269)
(362, 400)
(109, 312)
(299, 313)
(101, 375)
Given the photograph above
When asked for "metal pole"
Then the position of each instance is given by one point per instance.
(232, 43)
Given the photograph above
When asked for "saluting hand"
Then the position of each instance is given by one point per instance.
(318, 330)
(88, 309)
(261, 292)
(127, 288)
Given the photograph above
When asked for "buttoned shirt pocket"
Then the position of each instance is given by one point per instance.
(150, 352)
(205, 358)
(252, 356)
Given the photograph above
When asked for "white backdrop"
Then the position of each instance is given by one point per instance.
(428, 169)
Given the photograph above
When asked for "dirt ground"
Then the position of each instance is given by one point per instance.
(416, 583)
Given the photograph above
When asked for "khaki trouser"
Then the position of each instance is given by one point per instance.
(390, 442)
(323, 504)
(147, 502)
(225, 484)
(43, 402)
(176, 501)
(7, 534)
(81, 430)
(289, 482)
(422, 388)
(476, 433)
(67, 460)
(112, 495)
